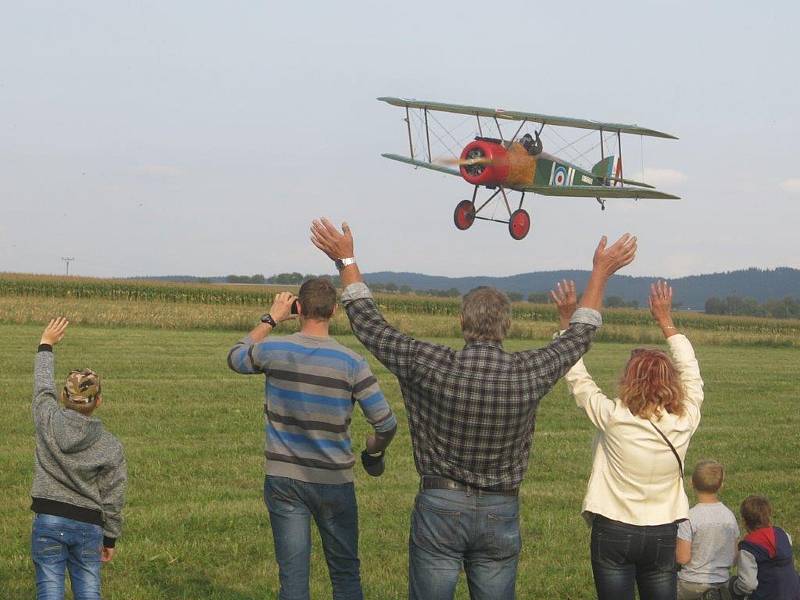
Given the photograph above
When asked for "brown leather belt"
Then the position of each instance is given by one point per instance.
(434, 482)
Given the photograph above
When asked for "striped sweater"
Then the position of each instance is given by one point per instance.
(312, 385)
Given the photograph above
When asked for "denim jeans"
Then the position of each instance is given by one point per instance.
(623, 554)
(59, 544)
(292, 504)
(451, 530)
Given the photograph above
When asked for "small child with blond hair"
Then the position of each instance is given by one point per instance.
(706, 544)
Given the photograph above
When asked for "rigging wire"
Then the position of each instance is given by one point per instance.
(444, 128)
(436, 135)
(583, 137)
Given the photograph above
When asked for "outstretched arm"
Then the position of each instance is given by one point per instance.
(681, 349)
(587, 394)
(44, 391)
(553, 361)
(394, 349)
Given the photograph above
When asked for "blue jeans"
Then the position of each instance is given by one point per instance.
(451, 530)
(625, 554)
(57, 544)
(291, 505)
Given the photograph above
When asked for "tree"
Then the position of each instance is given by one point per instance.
(514, 296)
(287, 278)
(539, 297)
(715, 306)
(615, 302)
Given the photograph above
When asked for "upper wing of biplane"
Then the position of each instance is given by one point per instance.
(596, 191)
(513, 115)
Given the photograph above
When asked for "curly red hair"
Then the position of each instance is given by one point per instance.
(651, 384)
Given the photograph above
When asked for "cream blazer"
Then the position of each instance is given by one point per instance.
(635, 477)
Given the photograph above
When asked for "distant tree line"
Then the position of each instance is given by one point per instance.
(246, 279)
(786, 308)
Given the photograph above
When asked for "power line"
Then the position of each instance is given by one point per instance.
(67, 260)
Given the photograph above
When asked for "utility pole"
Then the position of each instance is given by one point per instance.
(67, 260)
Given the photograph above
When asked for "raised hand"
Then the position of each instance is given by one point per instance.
(566, 300)
(337, 245)
(282, 307)
(609, 260)
(54, 331)
(661, 306)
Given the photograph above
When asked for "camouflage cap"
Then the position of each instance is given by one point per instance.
(81, 387)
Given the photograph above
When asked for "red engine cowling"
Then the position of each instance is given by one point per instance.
(491, 172)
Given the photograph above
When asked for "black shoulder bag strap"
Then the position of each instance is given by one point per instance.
(671, 447)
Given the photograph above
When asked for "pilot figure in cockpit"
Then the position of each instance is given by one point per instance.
(531, 145)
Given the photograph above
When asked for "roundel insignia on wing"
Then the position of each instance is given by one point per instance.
(560, 175)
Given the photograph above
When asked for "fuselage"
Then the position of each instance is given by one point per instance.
(510, 165)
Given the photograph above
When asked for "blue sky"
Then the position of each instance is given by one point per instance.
(201, 138)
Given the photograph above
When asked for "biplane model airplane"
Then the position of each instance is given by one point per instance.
(520, 164)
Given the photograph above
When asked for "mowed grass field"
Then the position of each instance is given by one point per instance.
(195, 523)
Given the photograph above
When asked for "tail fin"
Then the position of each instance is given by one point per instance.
(605, 168)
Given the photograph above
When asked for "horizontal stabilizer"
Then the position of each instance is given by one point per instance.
(422, 164)
(632, 182)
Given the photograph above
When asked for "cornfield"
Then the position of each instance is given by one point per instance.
(111, 303)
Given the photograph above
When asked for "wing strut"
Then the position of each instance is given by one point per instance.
(500, 131)
(428, 136)
(408, 124)
(602, 149)
(618, 174)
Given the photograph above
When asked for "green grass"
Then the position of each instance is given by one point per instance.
(196, 526)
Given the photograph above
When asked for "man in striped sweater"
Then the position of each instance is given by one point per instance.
(312, 385)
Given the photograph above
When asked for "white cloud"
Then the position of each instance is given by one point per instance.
(661, 177)
(791, 185)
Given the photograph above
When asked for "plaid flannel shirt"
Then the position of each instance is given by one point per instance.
(471, 412)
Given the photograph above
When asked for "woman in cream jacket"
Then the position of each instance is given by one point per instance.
(635, 495)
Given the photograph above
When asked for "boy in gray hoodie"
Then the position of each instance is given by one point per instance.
(79, 479)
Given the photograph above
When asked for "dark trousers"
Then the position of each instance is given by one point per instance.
(292, 505)
(451, 530)
(624, 555)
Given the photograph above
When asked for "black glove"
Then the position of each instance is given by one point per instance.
(373, 465)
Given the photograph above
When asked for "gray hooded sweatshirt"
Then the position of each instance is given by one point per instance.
(79, 467)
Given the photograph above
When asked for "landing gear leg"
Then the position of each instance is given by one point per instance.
(602, 203)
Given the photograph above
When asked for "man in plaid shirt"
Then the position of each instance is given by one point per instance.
(471, 416)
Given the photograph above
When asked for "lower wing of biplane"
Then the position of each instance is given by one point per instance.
(519, 164)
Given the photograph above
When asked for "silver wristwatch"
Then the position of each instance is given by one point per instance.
(341, 263)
